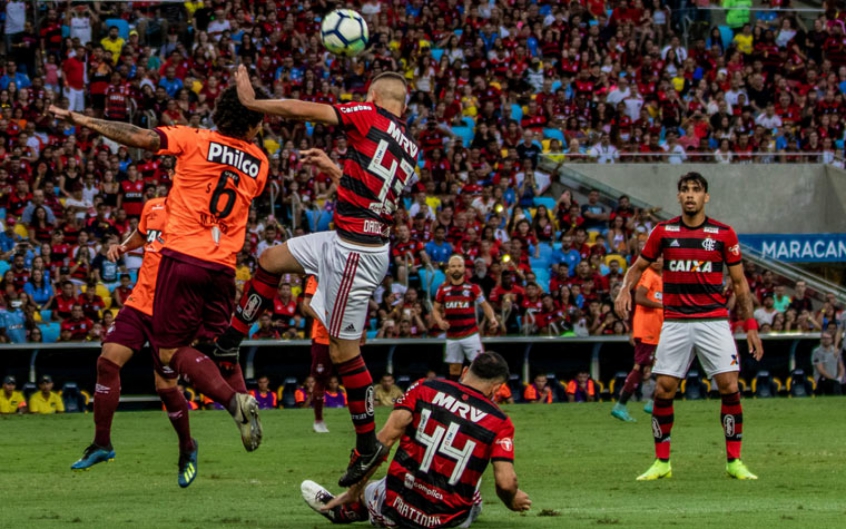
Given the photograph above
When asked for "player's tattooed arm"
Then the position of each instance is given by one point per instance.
(123, 133)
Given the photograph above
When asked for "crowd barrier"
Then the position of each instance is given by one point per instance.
(602, 356)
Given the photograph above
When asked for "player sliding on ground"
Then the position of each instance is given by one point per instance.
(696, 252)
(454, 311)
(351, 261)
(131, 330)
(448, 432)
(647, 321)
(218, 173)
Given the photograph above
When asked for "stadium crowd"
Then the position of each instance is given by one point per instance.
(496, 88)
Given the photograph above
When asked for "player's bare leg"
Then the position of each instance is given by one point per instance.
(455, 372)
(731, 418)
(106, 397)
(177, 411)
(207, 378)
(662, 423)
(368, 452)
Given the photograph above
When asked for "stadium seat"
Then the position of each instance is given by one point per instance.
(542, 277)
(251, 383)
(694, 387)
(538, 264)
(28, 389)
(800, 385)
(516, 112)
(549, 202)
(436, 280)
(437, 53)
(46, 314)
(765, 385)
(546, 145)
(469, 122)
(558, 392)
(466, 135)
(615, 386)
(311, 215)
(50, 331)
(287, 398)
(371, 335)
(546, 252)
(620, 260)
(554, 134)
(516, 387)
(72, 398)
(403, 382)
(727, 35)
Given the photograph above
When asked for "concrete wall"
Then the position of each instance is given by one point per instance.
(771, 198)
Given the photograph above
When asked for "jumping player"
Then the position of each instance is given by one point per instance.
(696, 252)
(455, 312)
(352, 260)
(132, 329)
(217, 176)
(321, 363)
(646, 328)
(448, 432)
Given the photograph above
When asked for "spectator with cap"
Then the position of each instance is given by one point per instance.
(45, 401)
(11, 400)
(766, 312)
(828, 366)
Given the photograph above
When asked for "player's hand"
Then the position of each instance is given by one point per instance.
(443, 325)
(115, 251)
(493, 325)
(61, 113)
(756, 348)
(246, 93)
(623, 303)
(521, 502)
(318, 159)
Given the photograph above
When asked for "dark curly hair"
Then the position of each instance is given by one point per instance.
(234, 119)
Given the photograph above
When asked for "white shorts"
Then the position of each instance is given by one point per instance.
(374, 498)
(711, 340)
(347, 275)
(469, 347)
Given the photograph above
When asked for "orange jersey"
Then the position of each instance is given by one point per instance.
(217, 177)
(318, 331)
(647, 321)
(151, 226)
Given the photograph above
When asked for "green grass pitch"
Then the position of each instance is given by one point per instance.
(577, 463)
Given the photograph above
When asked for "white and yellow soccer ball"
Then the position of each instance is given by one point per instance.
(344, 32)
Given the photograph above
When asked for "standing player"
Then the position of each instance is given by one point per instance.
(696, 251)
(132, 329)
(647, 321)
(448, 432)
(321, 363)
(352, 260)
(455, 312)
(217, 176)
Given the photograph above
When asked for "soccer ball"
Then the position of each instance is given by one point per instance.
(344, 32)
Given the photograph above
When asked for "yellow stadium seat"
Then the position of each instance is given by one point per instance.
(104, 293)
(21, 230)
(504, 153)
(545, 144)
(592, 236)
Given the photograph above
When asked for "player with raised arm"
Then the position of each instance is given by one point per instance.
(218, 174)
(447, 432)
(646, 328)
(352, 260)
(697, 250)
(455, 312)
(132, 328)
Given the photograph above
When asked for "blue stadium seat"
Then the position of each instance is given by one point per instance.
(466, 135)
(799, 384)
(403, 382)
(765, 386)
(516, 387)
(516, 112)
(253, 329)
(133, 276)
(312, 220)
(538, 264)
(548, 202)
(72, 398)
(727, 35)
(437, 53)
(373, 323)
(546, 252)
(694, 388)
(469, 122)
(288, 399)
(437, 279)
(324, 218)
(542, 279)
(554, 134)
(50, 331)
(122, 25)
(28, 389)
(46, 314)
(371, 335)
(617, 383)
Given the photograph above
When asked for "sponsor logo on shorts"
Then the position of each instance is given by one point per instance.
(506, 444)
(733, 360)
(252, 307)
(226, 155)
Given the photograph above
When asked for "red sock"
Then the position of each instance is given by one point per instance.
(235, 378)
(203, 373)
(662, 423)
(731, 416)
(106, 397)
(177, 411)
(359, 385)
(632, 381)
(258, 295)
(317, 398)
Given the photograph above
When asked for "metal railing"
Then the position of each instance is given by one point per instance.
(737, 158)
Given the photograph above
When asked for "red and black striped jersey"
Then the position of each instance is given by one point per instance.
(459, 303)
(380, 161)
(694, 262)
(455, 432)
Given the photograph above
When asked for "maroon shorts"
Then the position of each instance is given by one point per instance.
(133, 329)
(194, 300)
(644, 353)
(321, 362)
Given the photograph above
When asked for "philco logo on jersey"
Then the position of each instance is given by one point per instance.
(683, 265)
(406, 144)
(460, 408)
(457, 305)
(226, 155)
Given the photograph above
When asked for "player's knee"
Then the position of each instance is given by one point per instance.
(637, 367)
(341, 350)
(117, 354)
(165, 355)
(163, 384)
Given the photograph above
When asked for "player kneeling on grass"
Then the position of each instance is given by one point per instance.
(448, 432)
